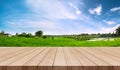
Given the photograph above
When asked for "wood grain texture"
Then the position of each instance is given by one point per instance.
(59, 58)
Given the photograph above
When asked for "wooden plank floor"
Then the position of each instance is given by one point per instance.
(58, 58)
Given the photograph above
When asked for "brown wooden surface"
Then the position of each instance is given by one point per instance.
(58, 58)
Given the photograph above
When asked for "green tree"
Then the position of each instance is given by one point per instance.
(39, 33)
(44, 37)
(2, 33)
(29, 35)
(17, 34)
(118, 31)
(22, 34)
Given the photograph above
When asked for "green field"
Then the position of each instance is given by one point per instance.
(57, 41)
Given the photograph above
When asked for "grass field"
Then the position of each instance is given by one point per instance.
(57, 41)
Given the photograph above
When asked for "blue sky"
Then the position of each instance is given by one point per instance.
(59, 16)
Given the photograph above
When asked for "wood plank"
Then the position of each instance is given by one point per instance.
(109, 55)
(59, 58)
(11, 54)
(15, 58)
(70, 58)
(37, 59)
(60, 61)
(49, 58)
(101, 64)
(102, 56)
(26, 58)
(72, 62)
(7, 51)
(82, 58)
(111, 51)
(86, 63)
(93, 58)
(47, 62)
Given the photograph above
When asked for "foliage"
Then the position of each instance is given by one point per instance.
(24, 35)
(118, 31)
(39, 33)
(81, 37)
(2, 33)
(44, 37)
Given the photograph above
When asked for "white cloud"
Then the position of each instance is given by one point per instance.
(54, 17)
(50, 9)
(33, 24)
(115, 9)
(109, 22)
(110, 29)
(97, 10)
(77, 10)
(49, 27)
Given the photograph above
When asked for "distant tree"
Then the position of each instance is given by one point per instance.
(29, 35)
(118, 31)
(17, 34)
(98, 34)
(39, 33)
(2, 32)
(52, 38)
(44, 37)
(22, 34)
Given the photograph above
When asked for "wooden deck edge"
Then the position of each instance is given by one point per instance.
(59, 67)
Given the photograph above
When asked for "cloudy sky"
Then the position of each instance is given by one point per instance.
(59, 16)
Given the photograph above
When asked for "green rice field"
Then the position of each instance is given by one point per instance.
(57, 41)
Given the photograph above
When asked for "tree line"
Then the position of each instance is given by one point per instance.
(84, 36)
(23, 34)
(37, 34)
